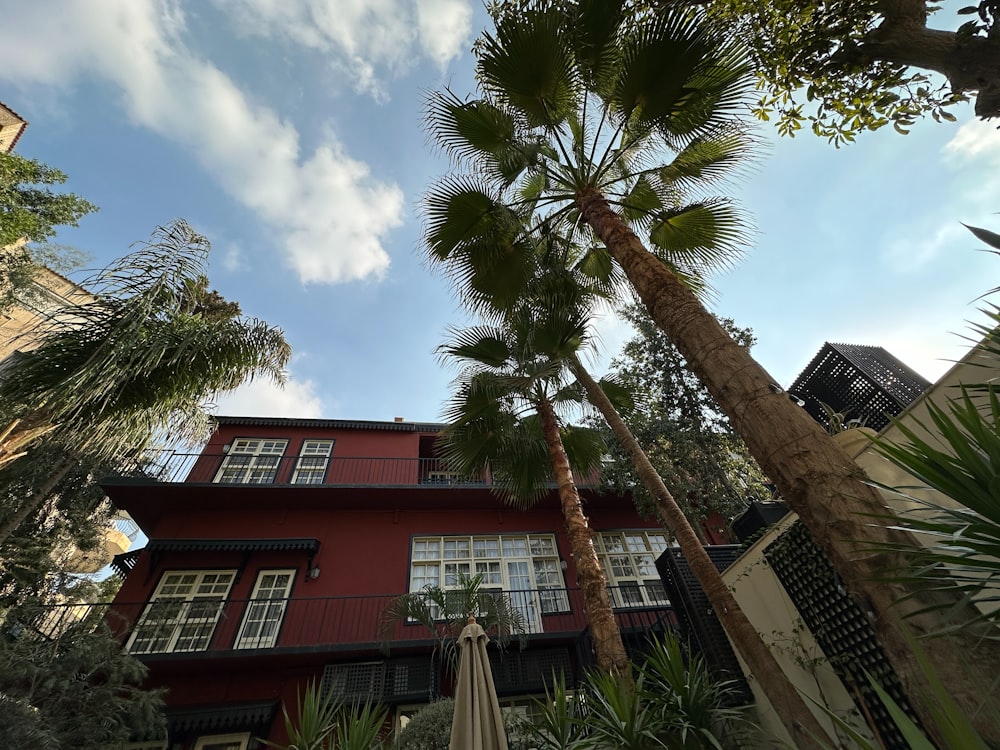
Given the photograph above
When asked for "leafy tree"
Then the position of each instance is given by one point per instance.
(575, 109)
(141, 357)
(852, 65)
(29, 208)
(77, 688)
(21, 264)
(72, 515)
(702, 461)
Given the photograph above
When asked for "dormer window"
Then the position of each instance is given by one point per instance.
(252, 461)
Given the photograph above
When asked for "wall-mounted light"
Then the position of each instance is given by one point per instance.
(563, 565)
(226, 447)
(313, 574)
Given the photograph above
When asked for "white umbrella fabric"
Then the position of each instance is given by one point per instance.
(478, 723)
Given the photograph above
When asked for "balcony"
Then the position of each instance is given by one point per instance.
(260, 626)
(167, 466)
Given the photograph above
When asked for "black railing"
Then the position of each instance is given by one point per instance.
(244, 469)
(177, 626)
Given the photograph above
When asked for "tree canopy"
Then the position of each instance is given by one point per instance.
(844, 66)
(29, 208)
(703, 463)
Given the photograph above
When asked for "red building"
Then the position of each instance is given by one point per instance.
(273, 552)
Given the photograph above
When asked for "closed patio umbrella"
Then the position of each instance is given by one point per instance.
(478, 723)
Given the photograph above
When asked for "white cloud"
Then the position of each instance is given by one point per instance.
(363, 37)
(329, 210)
(444, 27)
(975, 138)
(263, 398)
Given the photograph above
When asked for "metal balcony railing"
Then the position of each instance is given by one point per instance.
(172, 626)
(169, 466)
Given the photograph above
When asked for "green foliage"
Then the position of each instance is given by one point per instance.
(675, 703)
(29, 208)
(429, 728)
(679, 425)
(963, 464)
(73, 516)
(20, 265)
(574, 97)
(78, 689)
(445, 612)
(144, 355)
(838, 66)
(326, 723)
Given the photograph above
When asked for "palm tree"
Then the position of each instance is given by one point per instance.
(577, 105)
(444, 612)
(140, 359)
(503, 419)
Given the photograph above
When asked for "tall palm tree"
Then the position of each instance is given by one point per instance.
(576, 108)
(503, 419)
(141, 358)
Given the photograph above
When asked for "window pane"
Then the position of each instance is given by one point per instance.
(516, 546)
(486, 548)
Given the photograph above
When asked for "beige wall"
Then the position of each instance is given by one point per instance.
(18, 325)
(762, 596)
(11, 127)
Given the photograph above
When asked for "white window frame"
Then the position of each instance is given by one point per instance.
(628, 557)
(273, 608)
(183, 622)
(243, 738)
(252, 461)
(313, 461)
(526, 567)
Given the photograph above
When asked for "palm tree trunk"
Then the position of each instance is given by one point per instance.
(608, 646)
(815, 477)
(802, 725)
(34, 502)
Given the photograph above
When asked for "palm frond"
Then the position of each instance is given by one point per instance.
(700, 238)
(528, 62)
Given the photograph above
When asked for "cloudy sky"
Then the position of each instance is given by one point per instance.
(288, 132)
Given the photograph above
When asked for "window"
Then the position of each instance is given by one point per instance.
(525, 567)
(313, 460)
(223, 742)
(252, 461)
(182, 613)
(629, 562)
(265, 609)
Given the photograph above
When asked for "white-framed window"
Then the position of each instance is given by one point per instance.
(526, 567)
(183, 612)
(266, 609)
(252, 461)
(314, 457)
(629, 562)
(223, 742)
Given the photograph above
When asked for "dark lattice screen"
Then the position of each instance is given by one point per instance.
(838, 625)
(698, 623)
(863, 382)
(529, 671)
(393, 681)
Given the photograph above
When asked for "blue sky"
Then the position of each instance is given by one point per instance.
(288, 132)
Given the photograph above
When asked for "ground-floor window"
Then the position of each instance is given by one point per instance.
(266, 609)
(183, 612)
(629, 561)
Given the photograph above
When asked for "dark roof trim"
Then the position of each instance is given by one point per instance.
(252, 716)
(125, 562)
(228, 545)
(340, 424)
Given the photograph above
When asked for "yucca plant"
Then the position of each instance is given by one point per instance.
(323, 722)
